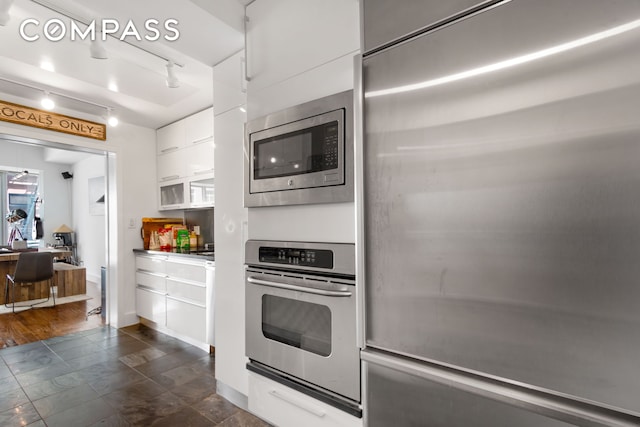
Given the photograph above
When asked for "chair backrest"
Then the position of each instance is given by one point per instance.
(34, 267)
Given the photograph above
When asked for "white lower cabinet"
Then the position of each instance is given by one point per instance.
(187, 304)
(186, 270)
(187, 318)
(285, 407)
(151, 305)
(176, 293)
(151, 288)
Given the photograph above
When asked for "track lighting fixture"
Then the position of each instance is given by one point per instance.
(5, 5)
(97, 49)
(111, 118)
(46, 102)
(172, 79)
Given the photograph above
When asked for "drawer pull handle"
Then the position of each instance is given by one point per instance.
(295, 402)
(198, 141)
(203, 171)
(166, 150)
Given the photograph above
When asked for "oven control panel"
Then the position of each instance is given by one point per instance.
(318, 258)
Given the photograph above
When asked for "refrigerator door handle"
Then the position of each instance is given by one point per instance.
(290, 287)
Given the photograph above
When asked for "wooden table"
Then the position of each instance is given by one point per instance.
(8, 263)
(70, 279)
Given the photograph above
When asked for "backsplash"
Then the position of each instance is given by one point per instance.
(204, 218)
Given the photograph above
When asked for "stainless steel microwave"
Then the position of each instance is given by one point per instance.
(301, 155)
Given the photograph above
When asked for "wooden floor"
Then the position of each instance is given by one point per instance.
(47, 322)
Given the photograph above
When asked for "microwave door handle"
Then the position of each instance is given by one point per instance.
(289, 287)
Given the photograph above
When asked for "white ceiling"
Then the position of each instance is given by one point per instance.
(210, 31)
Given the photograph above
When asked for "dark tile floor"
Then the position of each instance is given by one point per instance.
(133, 376)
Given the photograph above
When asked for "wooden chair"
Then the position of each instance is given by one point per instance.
(31, 268)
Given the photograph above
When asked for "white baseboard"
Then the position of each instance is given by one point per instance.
(93, 278)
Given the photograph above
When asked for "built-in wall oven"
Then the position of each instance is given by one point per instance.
(301, 318)
(301, 155)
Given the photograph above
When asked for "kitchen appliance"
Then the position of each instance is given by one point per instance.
(64, 236)
(301, 318)
(501, 218)
(301, 155)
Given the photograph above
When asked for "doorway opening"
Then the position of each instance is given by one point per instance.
(74, 192)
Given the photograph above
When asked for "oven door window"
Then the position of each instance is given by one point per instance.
(297, 323)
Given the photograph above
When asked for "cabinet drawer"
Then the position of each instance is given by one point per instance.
(187, 319)
(153, 281)
(153, 264)
(172, 166)
(151, 305)
(200, 158)
(190, 271)
(171, 137)
(187, 291)
(199, 126)
(285, 407)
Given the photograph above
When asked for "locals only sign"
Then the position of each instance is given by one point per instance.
(28, 116)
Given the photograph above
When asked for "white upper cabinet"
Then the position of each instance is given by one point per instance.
(170, 137)
(185, 153)
(281, 45)
(200, 158)
(186, 132)
(229, 84)
(199, 127)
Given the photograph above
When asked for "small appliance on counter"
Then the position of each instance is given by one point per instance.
(64, 236)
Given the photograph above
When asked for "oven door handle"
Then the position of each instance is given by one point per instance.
(324, 292)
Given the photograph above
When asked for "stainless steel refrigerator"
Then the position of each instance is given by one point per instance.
(501, 207)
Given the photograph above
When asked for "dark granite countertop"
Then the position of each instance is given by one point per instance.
(199, 253)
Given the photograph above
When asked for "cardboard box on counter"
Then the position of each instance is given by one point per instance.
(154, 224)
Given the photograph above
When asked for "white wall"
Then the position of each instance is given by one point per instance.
(54, 190)
(132, 194)
(135, 176)
(230, 226)
(90, 229)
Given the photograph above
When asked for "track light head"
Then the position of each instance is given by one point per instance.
(172, 79)
(112, 120)
(46, 102)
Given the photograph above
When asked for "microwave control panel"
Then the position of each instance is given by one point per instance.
(319, 258)
(330, 148)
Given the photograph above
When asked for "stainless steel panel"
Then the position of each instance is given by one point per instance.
(395, 398)
(343, 255)
(501, 189)
(324, 194)
(385, 21)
